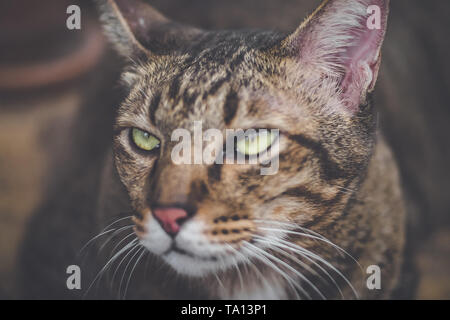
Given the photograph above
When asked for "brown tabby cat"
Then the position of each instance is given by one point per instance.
(309, 231)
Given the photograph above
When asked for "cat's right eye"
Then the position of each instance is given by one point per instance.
(255, 144)
(144, 140)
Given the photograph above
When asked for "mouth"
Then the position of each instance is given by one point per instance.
(195, 250)
(192, 265)
(177, 250)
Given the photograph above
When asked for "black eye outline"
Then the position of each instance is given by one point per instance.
(155, 151)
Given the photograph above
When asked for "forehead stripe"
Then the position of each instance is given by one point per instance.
(154, 106)
(230, 106)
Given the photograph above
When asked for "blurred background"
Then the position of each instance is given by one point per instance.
(47, 72)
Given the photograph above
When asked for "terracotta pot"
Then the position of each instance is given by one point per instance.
(40, 50)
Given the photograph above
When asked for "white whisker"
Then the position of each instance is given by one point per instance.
(120, 263)
(295, 271)
(219, 281)
(93, 239)
(110, 261)
(293, 258)
(113, 235)
(138, 247)
(249, 262)
(132, 270)
(261, 255)
(278, 244)
(116, 221)
(313, 235)
(299, 249)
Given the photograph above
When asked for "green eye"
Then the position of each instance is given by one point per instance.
(144, 140)
(256, 143)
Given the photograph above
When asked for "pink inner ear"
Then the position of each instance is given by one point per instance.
(361, 67)
(340, 43)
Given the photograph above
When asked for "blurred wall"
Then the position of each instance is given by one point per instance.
(46, 69)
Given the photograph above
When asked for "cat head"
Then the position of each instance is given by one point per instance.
(312, 87)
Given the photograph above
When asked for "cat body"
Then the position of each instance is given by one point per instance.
(332, 211)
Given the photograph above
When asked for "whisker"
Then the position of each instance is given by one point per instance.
(147, 260)
(103, 232)
(307, 252)
(270, 264)
(349, 191)
(116, 221)
(110, 261)
(219, 281)
(121, 261)
(249, 262)
(120, 242)
(294, 259)
(92, 240)
(113, 235)
(126, 267)
(298, 273)
(313, 235)
(132, 270)
(236, 265)
(277, 243)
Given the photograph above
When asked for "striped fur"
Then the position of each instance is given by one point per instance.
(336, 176)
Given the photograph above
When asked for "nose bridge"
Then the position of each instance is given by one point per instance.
(173, 184)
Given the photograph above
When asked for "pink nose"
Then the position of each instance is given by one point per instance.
(170, 219)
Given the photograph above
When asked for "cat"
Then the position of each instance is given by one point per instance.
(310, 231)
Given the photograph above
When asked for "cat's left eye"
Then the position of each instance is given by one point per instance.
(144, 140)
(256, 143)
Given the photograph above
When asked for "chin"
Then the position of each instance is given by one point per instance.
(191, 266)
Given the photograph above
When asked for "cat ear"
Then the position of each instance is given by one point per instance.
(342, 39)
(135, 28)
